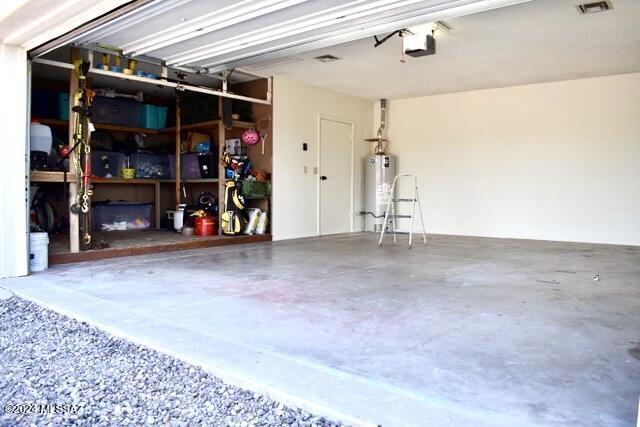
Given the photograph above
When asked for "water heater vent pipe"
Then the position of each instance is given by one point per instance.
(381, 143)
(383, 115)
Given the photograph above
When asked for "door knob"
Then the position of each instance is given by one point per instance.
(324, 178)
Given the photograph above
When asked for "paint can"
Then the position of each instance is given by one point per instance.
(205, 226)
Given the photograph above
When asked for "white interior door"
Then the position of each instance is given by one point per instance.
(335, 176)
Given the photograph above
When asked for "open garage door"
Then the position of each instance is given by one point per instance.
(211, 36)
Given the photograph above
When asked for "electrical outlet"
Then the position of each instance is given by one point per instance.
(315, 171)
(305, 169)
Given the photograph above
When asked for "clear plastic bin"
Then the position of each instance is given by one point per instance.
(106, 164)
(151, 166)
(120, 216)
(189, 166)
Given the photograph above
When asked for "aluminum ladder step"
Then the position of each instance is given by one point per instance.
(390, 212)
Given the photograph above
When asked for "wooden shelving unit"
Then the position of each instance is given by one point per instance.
(214, 128)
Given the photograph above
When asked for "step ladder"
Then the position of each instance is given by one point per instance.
(390, 212)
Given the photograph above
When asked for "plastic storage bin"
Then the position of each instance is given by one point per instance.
(106, 164)
(63, 105)
(43, 104)
(189, 166)
(101, 141)
(153, 116)
(256, 189)
(192, 166)
(208, 165)
(115, 111)
(151, 166)
(172, 166)
(119, 216)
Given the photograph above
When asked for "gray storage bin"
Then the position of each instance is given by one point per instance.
(116, 111)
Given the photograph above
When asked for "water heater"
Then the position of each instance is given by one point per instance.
(380, 169)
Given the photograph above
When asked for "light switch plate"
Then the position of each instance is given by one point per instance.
(315, 171)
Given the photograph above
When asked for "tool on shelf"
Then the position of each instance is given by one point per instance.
(264, 126)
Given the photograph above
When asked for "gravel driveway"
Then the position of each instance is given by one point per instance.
(99, 380)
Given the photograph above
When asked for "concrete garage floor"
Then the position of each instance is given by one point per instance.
(465, 331)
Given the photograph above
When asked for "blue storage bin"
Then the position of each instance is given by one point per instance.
(153, 116)
(63, 105)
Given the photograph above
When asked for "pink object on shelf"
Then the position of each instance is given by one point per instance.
(250, 137)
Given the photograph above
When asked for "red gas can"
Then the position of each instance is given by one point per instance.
(205, 226)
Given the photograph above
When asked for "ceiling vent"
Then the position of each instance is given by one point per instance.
(594, 7)
(327, 58)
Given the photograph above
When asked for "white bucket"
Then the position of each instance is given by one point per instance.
(38, 251)
(178, 217)
(41, 138)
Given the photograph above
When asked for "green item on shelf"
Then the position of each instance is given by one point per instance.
(255, 189)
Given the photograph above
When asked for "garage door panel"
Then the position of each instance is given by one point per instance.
(213, 33)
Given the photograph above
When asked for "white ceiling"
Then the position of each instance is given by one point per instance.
(539, 41)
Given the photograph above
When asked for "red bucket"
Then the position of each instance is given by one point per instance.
(206, 226)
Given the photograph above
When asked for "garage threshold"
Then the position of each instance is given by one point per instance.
(465, 331)
(125, 244)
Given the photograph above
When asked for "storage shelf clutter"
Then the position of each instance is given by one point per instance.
(150, 163)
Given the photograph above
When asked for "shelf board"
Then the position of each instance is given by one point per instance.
(147, 181)
(57, 176)
(197, 180)
(117, 128)
(51, 176)
(135, 181)
(200, 180)
(209, 125)
(53, 122)
(100, 126)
